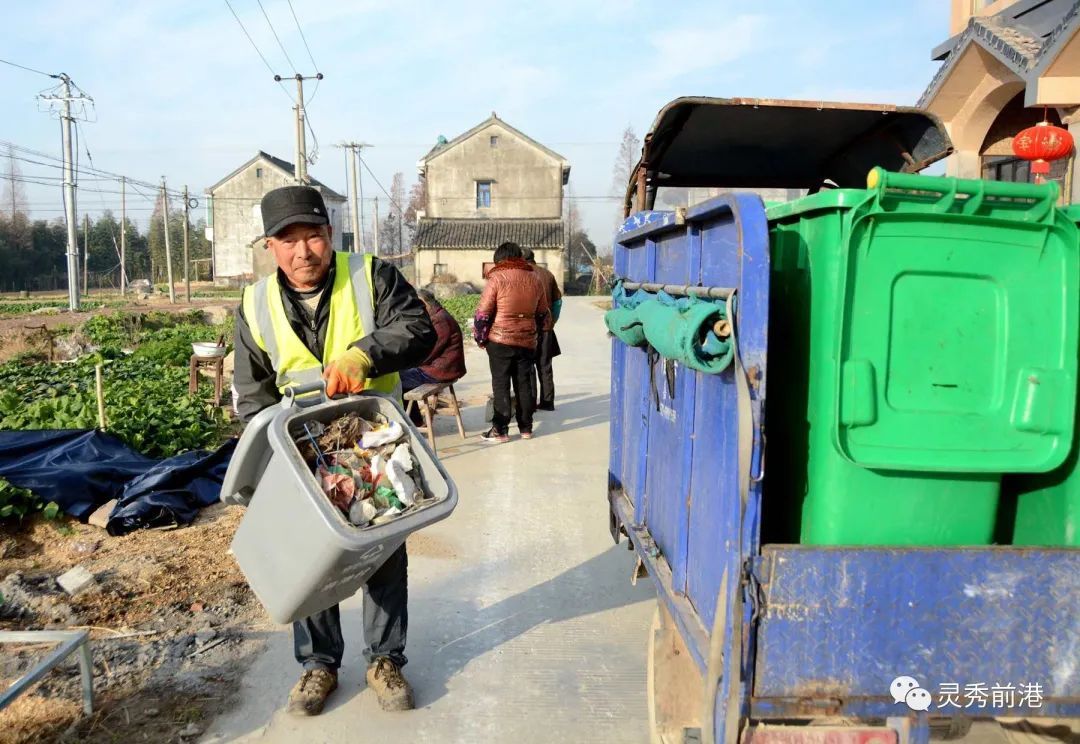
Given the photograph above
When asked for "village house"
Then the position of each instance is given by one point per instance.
(489, 185)
(1007, 65)
(234, 222)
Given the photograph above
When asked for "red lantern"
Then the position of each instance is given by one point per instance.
(1040, 144)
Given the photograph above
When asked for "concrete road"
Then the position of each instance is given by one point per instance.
(523, 624)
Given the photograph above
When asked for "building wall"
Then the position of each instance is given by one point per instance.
(526, 182)
(468, 264)
(238, 221)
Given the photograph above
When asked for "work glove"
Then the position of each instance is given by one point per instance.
(348, 373)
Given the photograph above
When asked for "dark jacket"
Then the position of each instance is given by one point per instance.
(446, 362)
(402, 338)
(552, 292)
(513, 306)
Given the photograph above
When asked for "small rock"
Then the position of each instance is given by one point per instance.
(197, 607)
(216, 314)
(100, 518)
(204, 636)
(190, 732)
(76, 580)
(85, 547)
(151, 712)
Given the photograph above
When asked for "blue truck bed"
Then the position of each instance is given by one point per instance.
(822, 631)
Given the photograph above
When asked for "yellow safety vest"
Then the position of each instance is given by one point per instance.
(352, 316)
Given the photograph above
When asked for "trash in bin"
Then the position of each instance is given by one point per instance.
(372, 477)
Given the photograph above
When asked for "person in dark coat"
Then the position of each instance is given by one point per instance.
(446, 362)
(547, 345)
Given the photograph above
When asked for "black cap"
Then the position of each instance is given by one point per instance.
(291, 205)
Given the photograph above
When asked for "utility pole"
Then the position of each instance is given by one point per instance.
(86, 254)
(375, 234)
(209, 201)
(168, 252)
(63, 95)
(300, 173)
(187, 258)
(356, 203)
(123, 235)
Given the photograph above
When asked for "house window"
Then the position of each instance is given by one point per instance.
(440, 269)
(258, 173)
(483, 194)
(494, 140)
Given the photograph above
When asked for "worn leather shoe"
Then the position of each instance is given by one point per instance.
(390, 686)
(309, 695)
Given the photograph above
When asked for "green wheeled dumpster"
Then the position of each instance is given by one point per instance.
(927, 329)
(1048, 505)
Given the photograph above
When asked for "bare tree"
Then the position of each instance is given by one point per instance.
(417, 203)
(392, 232)
(629, 153)
(14, 193)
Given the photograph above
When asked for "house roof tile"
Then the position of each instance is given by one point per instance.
(488, 234)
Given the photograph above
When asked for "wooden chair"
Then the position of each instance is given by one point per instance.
(427, 398)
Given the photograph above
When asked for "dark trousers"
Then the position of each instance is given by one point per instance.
(511, 365)
(317, 640)
(413, 378)
(546, 350)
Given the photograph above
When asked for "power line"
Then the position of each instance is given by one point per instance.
(304, 39)
(276, 38)
(82, 171)
(259, 51)
(379, 184)
(253, 44)
(318, 81)
(30, 69)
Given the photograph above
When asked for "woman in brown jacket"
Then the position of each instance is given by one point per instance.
(511, 313)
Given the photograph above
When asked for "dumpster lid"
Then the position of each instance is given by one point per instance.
(769, 143)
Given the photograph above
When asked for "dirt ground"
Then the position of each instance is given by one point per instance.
(65, 318)
(172, 623)
(22, 333)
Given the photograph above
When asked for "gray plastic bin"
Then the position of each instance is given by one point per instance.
(298, 551)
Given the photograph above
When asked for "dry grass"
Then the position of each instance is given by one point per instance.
(33, 718)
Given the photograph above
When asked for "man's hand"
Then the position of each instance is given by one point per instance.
(348, 373)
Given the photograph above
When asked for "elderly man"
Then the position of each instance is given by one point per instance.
(355, 322)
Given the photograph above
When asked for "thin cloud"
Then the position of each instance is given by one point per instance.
(681, 51)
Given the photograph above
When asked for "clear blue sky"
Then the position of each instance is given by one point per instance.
(180, 91)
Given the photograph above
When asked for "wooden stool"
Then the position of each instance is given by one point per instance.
(217, 364)
(427, 396)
